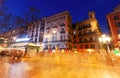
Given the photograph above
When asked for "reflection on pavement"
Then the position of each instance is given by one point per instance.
(60, 66)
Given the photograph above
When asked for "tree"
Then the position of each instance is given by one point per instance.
(19, 21)
(34, 13)
(2, 2)
(5, 17)
(8, 21)
(31, 14)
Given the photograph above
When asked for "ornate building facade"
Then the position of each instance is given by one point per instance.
(58, 32)
(87, 33)
(35, 31)
(53, 32)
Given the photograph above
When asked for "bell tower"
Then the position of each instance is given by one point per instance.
(91, 14)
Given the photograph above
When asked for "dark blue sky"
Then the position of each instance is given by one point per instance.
(78, 8)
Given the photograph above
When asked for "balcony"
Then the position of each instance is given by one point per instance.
(54, 41)
(65, 40)
(41, 27)
(54, 27)
(62, 25)
(62, 32)
(47, 28)
(46, 41)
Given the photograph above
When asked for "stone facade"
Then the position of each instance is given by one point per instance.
(35, 31)
(87, 33)
(53, 32)
(58, 32)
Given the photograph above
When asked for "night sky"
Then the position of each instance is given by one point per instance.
(78, 8)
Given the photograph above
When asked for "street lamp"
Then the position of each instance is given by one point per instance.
(105, 40)
(54, 32)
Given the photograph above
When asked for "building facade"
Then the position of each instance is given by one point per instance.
(87, 33)
(53, 32)
(35, 32)
(58, 32)
(11, 35)
(113, 19)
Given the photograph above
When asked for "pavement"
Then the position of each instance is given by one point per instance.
(60, 66)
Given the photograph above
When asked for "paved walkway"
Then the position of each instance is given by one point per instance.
(63, 66)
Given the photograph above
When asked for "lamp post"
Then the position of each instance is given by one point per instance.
(105, 40)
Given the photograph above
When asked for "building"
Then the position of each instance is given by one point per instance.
(87, 33)
(11, 35)
(58, 32)
(113, 19)
(53, 32)
(35, 31)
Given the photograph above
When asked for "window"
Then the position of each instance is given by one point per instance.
(116, 17)
(62, 24)
(62, 29)
(41, 32)
(118, 31)
(85, 40)
(32, 34)
(54, 38)
(89, 25)
(33, 27)
(46, 46)
(86, 46)
(84, 32)
(53, 47)
(62, 37)
(90, 31)
(81, 46)
(46, 39)
(62, 17)
(80, 40)
(117, 24)
(92, 46)
(36, 34)
(40, 39)
(80, 33)
(35, 39)
(91, 39)
(90, 16)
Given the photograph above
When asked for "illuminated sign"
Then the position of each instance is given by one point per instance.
(22, 39)
(116, 52)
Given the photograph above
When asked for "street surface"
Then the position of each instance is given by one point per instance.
(60, 66)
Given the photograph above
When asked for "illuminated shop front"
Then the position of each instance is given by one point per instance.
(29, 49)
